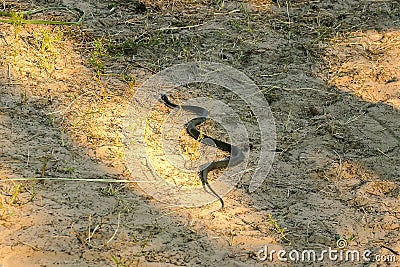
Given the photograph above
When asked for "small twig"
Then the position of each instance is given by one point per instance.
(383, 153)
(287, 11)
(306, 88)
(91, 233)
(76, 179)
(270, 75)
(180, 28)
(27, 160)
(354, 118)
(116, 230)
(31, 246)
(227, 13)
(270, 87)
(9, 72)
(391, 250)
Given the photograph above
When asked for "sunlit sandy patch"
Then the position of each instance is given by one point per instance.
(259, 5)
(173, 153)
(348, 170)
(367, 64)
(43, 62)
(380, 188)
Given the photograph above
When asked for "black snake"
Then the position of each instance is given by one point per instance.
(236, 155)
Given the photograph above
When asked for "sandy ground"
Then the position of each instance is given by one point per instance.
(329, 71)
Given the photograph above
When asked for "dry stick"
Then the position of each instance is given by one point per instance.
(180, 28)
(31, 246)
(90, 233)
(77, 179)
(383, 153)
(27, 160)
(391, 250)
(306, 88)
(116, 230)
(354, 118)
(9, 72)
(270, 87)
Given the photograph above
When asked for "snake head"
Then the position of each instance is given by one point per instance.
(166, 101)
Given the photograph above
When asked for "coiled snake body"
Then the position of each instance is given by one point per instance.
(236, 155)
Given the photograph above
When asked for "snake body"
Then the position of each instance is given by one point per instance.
(236, 154)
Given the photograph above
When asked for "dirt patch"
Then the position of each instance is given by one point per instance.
(328, 70)
(366, 63)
